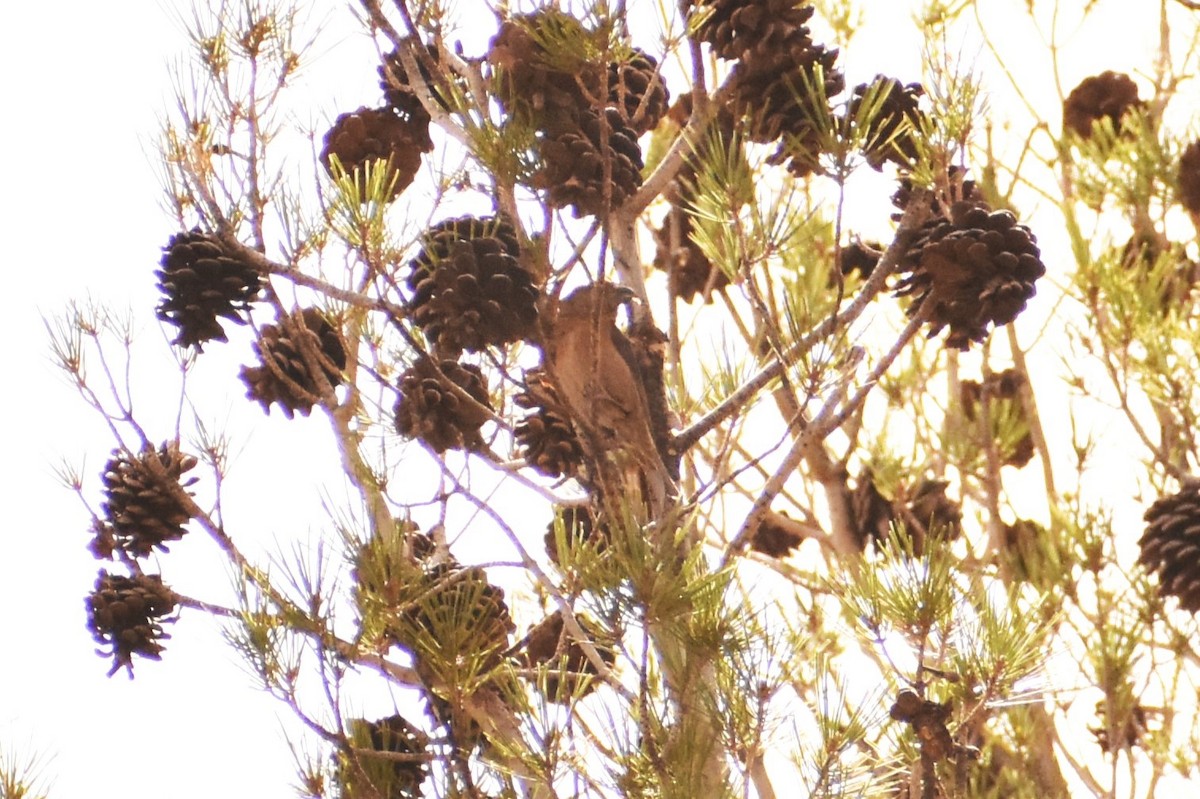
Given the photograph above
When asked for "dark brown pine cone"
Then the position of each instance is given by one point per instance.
(398, 88)
(956, 187)
(1021, 549)
(784, 106)
(384, 567)
(579, 524)
(778, 102)
(930, 512)
(1172, 281)
(463, 615)
(286, 376)
(573, 165)
(1109, 95)
(142, 512)
(397, 134)
(550, 90)
(1171, 545)
(200, 282)
(361, 776)
(126, 614)
(1129, 734)
(870, 511)
(545, 435)
(469, 290)
(918, 511)
(1188, 181)
(778, 72)
(637, 91)
(548, 644)
(689, 272)
(429, 410)
(776, 536)
(759, 32)
(976, 268)
(893, 129)
(1004, 392)
(859, 257)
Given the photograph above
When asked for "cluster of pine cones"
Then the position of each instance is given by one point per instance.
(457, 626)
(784, 79)
(203, 280)
(588, 108)
(469, 291)
(146, 505)
(392, 137)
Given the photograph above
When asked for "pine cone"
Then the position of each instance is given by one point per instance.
(202, 281)
(958, 188)
(888, 137)
(976, 268)
(548, 645)
(778, 67)
(778, 102)
(1129, 736)
(1188, 188)
(1021, 549)
(362, 776)
(397, 134)
(469, 291)
(398, 87)
(429, 410)
(870, 511)
(384, 566)
(918, 511)
(859, 257)
(580, 525)
(776, 536)
(1109, 94)
(545, 436)
(1141, 256)
(689, 272)
(286, 376)
(573, 164)
(142, 511)
(1171, 545)
(637, 91)
(933, 513)
(545, 89)
(757, 32)
(126, 614)
(1004, 392)
(460, 609)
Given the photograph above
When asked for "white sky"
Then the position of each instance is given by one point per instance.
(82, 90)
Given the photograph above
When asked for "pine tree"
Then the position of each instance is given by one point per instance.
(871, 537)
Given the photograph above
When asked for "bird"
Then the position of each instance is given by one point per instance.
(596, 372)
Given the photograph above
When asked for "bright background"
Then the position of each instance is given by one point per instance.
(82, 91)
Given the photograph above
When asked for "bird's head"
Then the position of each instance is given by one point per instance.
(584, 301)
